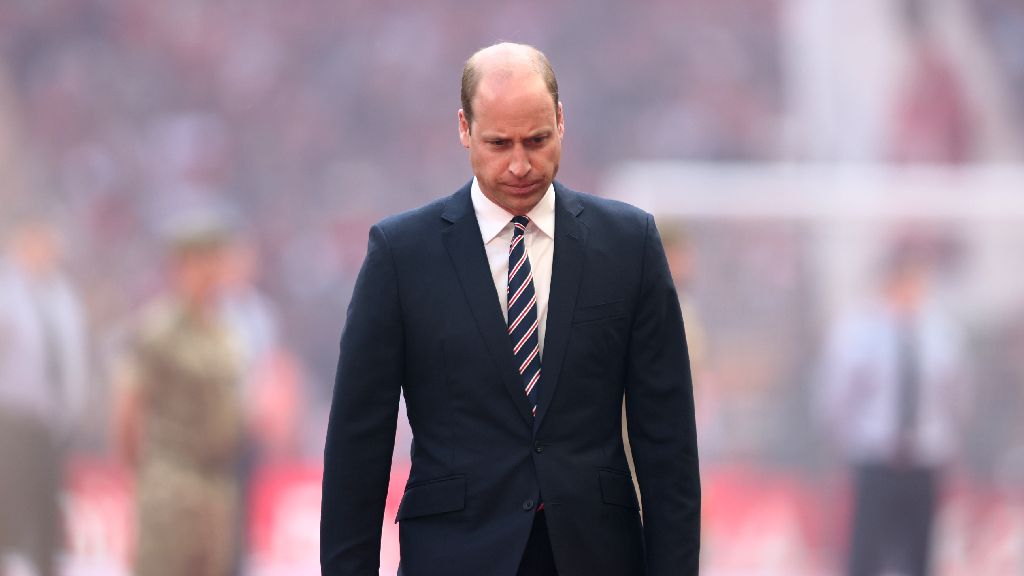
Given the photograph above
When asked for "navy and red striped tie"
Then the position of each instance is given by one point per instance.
(522, 311)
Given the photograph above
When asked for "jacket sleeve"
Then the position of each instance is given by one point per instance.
(364, 413)
(660, 418)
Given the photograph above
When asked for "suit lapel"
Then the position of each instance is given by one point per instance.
(465, 246)
(566, 273)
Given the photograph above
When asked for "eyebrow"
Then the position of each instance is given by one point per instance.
(535, 134)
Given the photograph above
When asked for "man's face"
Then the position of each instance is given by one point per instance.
(37, 247)
(515, 142)
(199, 274)
(908, 288)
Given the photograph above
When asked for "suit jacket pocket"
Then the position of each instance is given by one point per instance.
(433, 497)
(608, 310)
(617, 488)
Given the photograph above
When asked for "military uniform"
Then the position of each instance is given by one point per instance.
(188, 372)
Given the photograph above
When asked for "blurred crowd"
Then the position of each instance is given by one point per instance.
(311, 119)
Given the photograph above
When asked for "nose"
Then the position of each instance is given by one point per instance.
(519, 164)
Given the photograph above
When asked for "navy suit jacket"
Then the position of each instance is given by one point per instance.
(425, 321)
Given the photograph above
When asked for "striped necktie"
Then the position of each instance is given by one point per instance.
(522, 311)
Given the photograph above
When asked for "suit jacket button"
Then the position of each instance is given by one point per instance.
(528, 505)
(538, 448)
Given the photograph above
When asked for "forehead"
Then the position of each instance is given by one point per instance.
(513, 101)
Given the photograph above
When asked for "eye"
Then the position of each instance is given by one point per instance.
(498, 142)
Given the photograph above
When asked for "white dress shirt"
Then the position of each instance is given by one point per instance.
(496, 230)
(41, 325)
(861, 393)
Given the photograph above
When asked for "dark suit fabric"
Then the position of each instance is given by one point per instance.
(538, 559)
(425, 321)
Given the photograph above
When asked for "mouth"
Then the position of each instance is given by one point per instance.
(522, 189)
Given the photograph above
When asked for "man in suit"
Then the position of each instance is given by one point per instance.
(514, 315)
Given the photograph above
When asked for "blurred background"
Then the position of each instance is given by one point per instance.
(186, 189)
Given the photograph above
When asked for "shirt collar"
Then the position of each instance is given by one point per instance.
(493, 218)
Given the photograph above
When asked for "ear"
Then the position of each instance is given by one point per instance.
(560, 120)
(463, 129)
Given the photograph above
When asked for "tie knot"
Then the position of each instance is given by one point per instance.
(519, 225)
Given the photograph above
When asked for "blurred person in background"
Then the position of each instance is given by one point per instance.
(179, 416)
(42, 386)
(477, 306)
(272, 376)
(249, 313)
(895, 396)
(252, 321)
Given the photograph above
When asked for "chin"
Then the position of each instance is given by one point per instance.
(526, 201)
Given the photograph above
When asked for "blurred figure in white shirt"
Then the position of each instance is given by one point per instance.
(42, 386)
(895, 395)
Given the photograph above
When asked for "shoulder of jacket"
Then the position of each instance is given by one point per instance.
(412, 220)
(609, 215)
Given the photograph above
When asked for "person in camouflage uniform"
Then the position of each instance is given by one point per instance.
(180, 421)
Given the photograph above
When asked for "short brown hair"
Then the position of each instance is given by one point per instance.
(471, 79)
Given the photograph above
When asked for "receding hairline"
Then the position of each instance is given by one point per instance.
(507, 55)
(509, 59)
